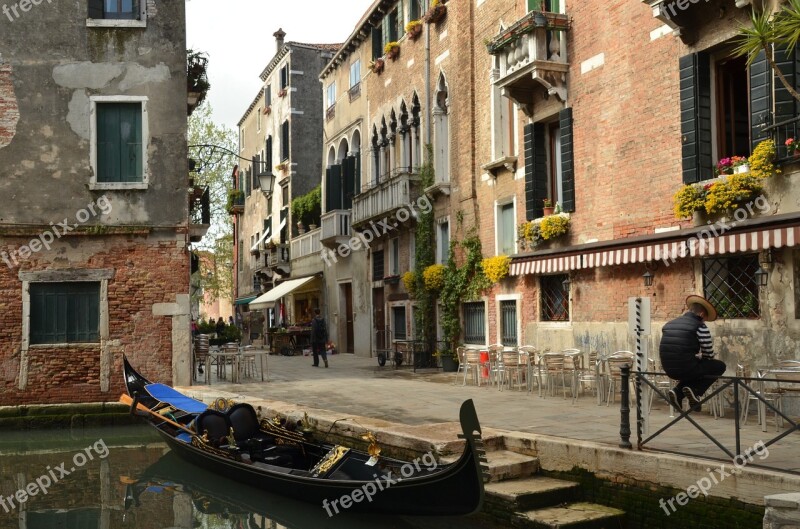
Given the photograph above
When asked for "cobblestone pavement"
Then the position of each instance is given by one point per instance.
(356, 385)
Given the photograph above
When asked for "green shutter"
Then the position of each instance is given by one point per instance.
(414, 10)
(567, 160)
(65, 312)
(268, 155)
(348, 179)
(108, 143)
(334, 188)
(285, 141)
(119, 142)
(535, 170)
(130, 122)
(760, 88)
(377, 42)
(357, 175)
(95, 8)
(695, 98)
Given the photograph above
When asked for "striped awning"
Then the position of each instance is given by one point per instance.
(698, 245)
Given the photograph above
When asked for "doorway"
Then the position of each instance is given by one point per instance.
(349, 337)
(379, 319)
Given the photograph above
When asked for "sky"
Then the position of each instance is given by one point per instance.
(237, 36)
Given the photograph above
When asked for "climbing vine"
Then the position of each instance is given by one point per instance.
(307, 208)
(425, 318)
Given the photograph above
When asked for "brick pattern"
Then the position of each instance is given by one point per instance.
(145, 274)
(9, 111)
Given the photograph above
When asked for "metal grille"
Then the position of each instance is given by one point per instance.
(399, 323)
(377, 265)
(555, 302)
(474, 322)
(730, 285)
(508, 315)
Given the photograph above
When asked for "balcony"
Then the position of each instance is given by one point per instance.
(200, 213)
(235, 204)
(385, 197)
(277, 257)
(529, 55)
(306, 244)
(335, 228)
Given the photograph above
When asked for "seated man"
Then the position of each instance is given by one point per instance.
(687, 353)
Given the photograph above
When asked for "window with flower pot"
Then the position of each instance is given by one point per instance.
(554, 298)
(377, 41)
(285, 76)
(549, 172)
(729, 283)
(268, 95)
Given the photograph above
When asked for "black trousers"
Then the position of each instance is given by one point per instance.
(694, 376)
(318, 349)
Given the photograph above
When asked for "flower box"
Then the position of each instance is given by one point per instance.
(436, 14)
(282, 92)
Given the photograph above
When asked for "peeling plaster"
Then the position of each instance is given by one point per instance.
(138, 75)
(78, 115)
(9, 109)
(87, 74)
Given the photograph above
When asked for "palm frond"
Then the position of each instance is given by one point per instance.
(787, 25)
(756, 37)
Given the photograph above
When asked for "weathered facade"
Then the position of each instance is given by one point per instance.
(280, 134)
(94, 228)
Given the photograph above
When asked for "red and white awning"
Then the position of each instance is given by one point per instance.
(702, 244)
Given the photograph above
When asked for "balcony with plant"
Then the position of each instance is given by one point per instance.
(235, 205)
(414, 29)
(538, 231)
(197, 85)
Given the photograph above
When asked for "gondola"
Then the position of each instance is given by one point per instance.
(272, 456)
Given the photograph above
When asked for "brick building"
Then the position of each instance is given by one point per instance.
(94, 228)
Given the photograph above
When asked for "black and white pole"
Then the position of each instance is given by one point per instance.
(639, 368)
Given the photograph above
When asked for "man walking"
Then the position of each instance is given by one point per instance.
(319, 335)
(687, 353)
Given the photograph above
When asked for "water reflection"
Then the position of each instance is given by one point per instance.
(141, 485)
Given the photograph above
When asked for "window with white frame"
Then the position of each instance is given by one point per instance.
(508, 322)
(241, 139)
(394, 256)
(258, 119)
(355, 73)
(505, 216)
(442, 241)
(331, 95)
(119, 142)
(116, 13)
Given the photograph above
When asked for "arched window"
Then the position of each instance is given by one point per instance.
(416, 136)
(404, 159)
(441, 132)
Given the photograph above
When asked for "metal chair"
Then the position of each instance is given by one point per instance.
(552, 364)
(573, 363)
(472, 363)
(513, 368)
(461, 352)
(530, 354)
(590, 375)
(614, 365)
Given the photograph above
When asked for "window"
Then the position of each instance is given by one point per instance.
(399, 323)
(504, 125)
(474, 322)
(284, 76)
(331, 95)
(377, 41)
(268, 155)
(268, 95)
(285, 141)
(256, 283)
(115, 9)
(412, 250)
(377, 265)
(544, 5)
(65, 312)
(258, 119)
(240, 255)
(716, 109)
(414, 10)
(355, 73)
(119, 134)
(549, 172)
(241, 139)
(391, 22)
(443, 242)
(394, 256)
(505, 225)
(555, 302)
(508, 322)
(729, 284)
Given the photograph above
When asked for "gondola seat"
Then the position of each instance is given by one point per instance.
(244, 421)
(216, 424)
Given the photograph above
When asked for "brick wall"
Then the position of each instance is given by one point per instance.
(146, 272)
(9, 111)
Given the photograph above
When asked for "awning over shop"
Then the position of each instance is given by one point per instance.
(694, 242)
(244, 301)
(267, 300)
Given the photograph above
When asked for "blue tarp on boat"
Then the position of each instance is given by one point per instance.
(169, 396)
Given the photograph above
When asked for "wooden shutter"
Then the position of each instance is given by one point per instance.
(567, 160)
(257, 170)
(348, 178)
(268, 155)
(786, 106)
(65, 312)
(695, 97)
(108, 143)
(119, 142)
(377, 42)
(760, 88)
(333, 188)
(357, 175)
(535, 170)
(248, 182)
(95, 8)
(130, 120)
(285, 141)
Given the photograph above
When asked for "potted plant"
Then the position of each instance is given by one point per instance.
(282, 167)
(792, 148)
(436, 13)
(410, 282)
(267, 109)
(376, 66)
(548, 207)
(496, 268)
(433, 277)
(554, 226)
(392, 50)
(414, 29)
(448, 359)
(282, 92)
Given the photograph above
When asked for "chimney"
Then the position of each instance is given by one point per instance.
(279, 39)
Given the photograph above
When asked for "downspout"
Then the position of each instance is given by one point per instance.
(428, 111)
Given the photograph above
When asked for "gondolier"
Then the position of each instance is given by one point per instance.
(687, 353)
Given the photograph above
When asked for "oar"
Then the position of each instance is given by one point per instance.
(126, 399)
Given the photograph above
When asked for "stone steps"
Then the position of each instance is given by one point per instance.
(530, 493)
(571, 516)
(505, 465)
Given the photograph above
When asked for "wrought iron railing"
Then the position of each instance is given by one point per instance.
(780, 132)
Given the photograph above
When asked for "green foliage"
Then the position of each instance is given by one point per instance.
(308, 208)
(424, 247)
(461, 283)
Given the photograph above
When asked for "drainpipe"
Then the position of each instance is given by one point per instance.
(428, 112)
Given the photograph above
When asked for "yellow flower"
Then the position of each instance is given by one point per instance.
(553, 226)
(686, 201)
(433, 277)
(762, 160)
(496, 268)
(410, 282)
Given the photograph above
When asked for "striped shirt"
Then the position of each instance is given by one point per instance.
(706, 343)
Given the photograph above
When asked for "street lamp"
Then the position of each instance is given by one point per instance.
(761, 277)
(648, 278)
(566, 284)
(266, 180)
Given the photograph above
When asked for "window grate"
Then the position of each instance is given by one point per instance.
(474, 322)
(555, 302)
(508, 316)
(377, 266)
(730, 285)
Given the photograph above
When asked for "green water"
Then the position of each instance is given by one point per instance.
(126, 478)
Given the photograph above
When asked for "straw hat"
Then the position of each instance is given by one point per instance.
(700, 300)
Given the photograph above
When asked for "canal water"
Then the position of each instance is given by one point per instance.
(126, 478)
